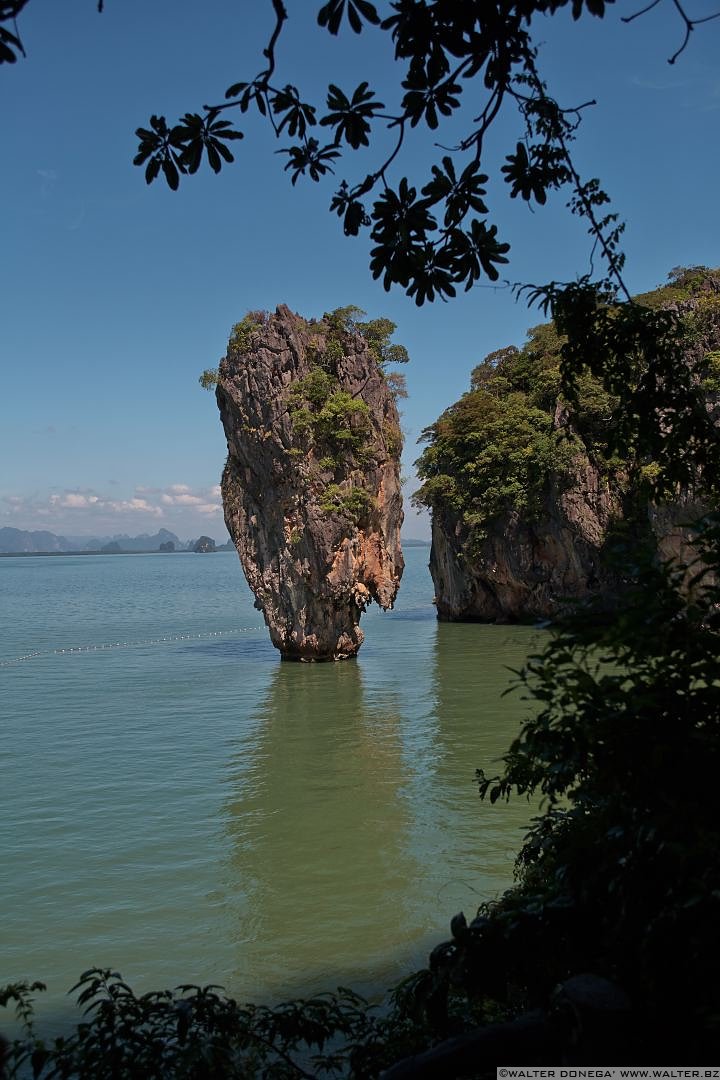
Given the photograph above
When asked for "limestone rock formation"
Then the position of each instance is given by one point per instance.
(311, 488)
(525, 569)
(523, 496)
(204, 545)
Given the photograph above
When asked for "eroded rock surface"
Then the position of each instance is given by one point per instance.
(311, 488)
(521, 569)
(510, 564)
(525, 570)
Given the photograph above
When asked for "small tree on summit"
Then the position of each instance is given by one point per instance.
(209, 379)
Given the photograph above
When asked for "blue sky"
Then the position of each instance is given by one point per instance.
(116, 296)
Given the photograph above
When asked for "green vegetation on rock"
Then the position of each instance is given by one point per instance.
(354, 502)
(241, 339)
(377, 334)
(336, 425)
(244, 331)
(498, 448)
(494, 450)
(209, 379)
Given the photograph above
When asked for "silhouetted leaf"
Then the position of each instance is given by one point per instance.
(351, 117)
(171, 173)
(152, 170)
(330, 14)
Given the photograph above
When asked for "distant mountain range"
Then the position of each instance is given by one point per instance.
(24, 542)
(41, 542)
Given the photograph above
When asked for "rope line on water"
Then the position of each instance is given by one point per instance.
(169, 638)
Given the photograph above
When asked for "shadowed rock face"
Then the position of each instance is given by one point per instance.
(311, 488)
(529, 568)
(522, 569)
(532, 569)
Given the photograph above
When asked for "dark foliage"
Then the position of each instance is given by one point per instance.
(435, 237)
(10, 44)
(621, 873)
(197, 1032)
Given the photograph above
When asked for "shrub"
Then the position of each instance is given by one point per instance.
(377, 334)
(487, 455)
(354, 503)
(198, 1032)
(243, 332)
(393, 438)
(209, 378)
(335, 421)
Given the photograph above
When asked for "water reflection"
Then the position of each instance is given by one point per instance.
(353, 818)
(470, 846)
(318, 832)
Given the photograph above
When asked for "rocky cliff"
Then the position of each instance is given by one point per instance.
(525, 495)
(529, 569)
(524, 568)
(311, 488)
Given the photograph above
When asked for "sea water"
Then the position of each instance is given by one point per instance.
(179, 805)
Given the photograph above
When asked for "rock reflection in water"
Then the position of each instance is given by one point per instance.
(354, 823)
(469, 846)
(319, 835)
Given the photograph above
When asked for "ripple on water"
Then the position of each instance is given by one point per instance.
(183, 806)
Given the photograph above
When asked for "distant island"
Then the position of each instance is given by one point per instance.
(25, 542)
(40, 542)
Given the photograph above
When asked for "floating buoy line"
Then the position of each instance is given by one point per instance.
(168, 639)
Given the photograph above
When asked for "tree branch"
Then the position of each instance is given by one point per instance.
(269, 52)
(643, 11)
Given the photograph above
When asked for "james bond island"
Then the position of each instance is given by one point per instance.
(311, 488)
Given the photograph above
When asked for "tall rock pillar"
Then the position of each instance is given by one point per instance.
(311, 488)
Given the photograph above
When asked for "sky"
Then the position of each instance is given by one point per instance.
(115, 296)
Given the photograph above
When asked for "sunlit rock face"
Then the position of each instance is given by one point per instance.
(311, 489)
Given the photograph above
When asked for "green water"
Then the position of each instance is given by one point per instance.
(183, 807)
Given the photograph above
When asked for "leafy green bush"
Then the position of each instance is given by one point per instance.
(377, 334)
(531, 411)
(333, 419)
(711, 380)
(209, 378)
(621, 873)
(243, 332)
(393, 437)
(493, 451)
(193, 1033)
(489, 454)
(354, 502)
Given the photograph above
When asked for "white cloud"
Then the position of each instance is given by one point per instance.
(80, 511)
(181, 500)
(142, 505)
(660, 85)
(73, 500)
